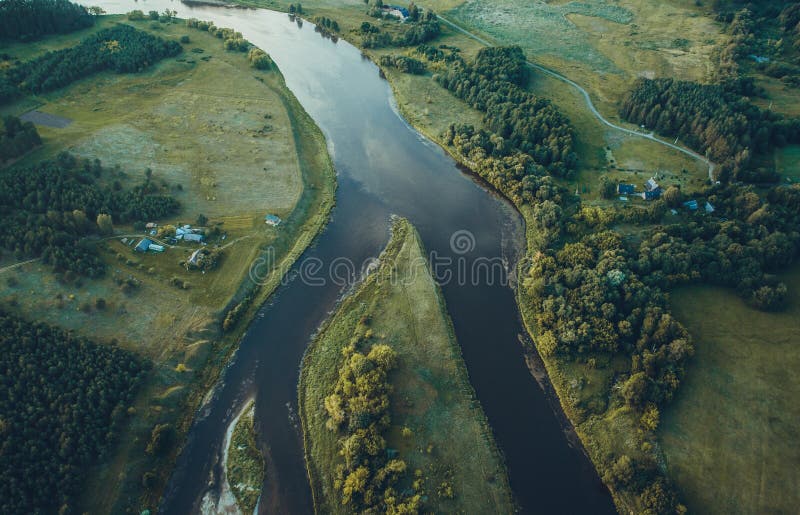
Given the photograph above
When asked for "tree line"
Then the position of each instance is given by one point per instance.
(26, 20)
(121, 49)
(580, 292)
(403, 63)
(713, 120)
(367, 480)
(518, 120)
(17, 138)
(49, 209)
(63, 401)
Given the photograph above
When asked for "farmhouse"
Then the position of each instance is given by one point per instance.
(652, 190)
(143, 246)
(272, 220)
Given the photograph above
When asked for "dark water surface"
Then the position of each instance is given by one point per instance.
(384, 167)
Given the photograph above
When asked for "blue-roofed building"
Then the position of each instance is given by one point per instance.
(691, 205)
(709, 207)
(626, 189)
(272, 220)
(143, 246)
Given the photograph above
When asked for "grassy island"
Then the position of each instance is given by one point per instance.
(412, 417)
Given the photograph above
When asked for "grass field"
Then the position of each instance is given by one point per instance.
(731, 435)
(450, 440)
(787, 162)
(245, 465)
(237, 154)
(601, 45)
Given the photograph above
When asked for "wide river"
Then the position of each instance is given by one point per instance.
(384, 167)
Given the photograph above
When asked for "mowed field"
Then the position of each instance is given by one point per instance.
(450, 440)
(229, 142)
(730, 437)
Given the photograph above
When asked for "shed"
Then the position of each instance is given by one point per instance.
(626, 189)
(193, 237)
(156, 248)
(143, 246)
(691, 205)
(151, 225)
(709, 207)
(272, 220)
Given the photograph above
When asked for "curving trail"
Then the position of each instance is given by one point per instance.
(590, 104)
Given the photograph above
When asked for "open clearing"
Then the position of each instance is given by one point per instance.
(601, 45)
(232, 154)
(450, 439)
(731, 435)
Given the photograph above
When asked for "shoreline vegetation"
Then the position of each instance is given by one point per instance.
(170, 106)
(612, 396)
(244, 462)
(392, 340)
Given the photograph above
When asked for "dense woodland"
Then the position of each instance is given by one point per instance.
(25, 20)
(121, 49)
(593, 296)
(49, 208)
(62, 402)
(16, 138)
(518, 120)
(358, 411)
(713, 120)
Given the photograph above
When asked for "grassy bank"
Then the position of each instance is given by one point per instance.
(730, 437)
(437, 426)
(245, 464)
(230, 154)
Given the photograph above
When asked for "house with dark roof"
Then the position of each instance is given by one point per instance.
(626, 189)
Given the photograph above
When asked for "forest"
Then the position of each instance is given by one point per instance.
(713, 120)
(17, 138)
(121, 49)
(358, 412)
(517, 119)
(26, 20)
(592, 296)
(49, 209)
(63, 402)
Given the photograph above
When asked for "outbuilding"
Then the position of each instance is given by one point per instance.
(272, 220)
(143, 246)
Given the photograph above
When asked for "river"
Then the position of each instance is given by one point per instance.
(384, 167)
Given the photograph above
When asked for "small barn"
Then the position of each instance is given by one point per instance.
(143, 246)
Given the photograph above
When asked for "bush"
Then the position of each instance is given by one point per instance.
(259, 59)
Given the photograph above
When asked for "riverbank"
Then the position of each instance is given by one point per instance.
(437, 428)
(243, 461)
(229, 156)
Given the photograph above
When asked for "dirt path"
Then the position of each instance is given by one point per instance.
(590, 105)
(15, 265)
